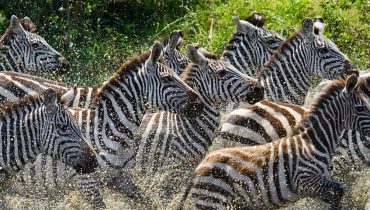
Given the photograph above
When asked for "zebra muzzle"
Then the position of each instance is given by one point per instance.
(194, 107)
(86, 163)
(64, 65)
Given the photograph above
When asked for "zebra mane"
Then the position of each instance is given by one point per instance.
(7, 107)
(281, 49)
(130, 65)
(330, 90)
(26, 24)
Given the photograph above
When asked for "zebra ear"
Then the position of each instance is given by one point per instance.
(175, 39)
(243, 26)
(351, 83)
(154, 55)
(16, 26)
(195, 56)
(68, 97)
(50, 100)
(318, 26)
(307, 28)
(28, 25)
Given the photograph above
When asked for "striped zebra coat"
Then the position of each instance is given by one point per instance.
(14, 86)
(172, 56)
(168, 139)
(119, 106)
(267, 121)
(270, 175)
(287, 75)
(39, 124)
(251, 45)
(22, 50)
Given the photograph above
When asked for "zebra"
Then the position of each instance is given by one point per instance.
(22, 50)
(116, 112)
(267, 176)
(288, 73)
(41, 124)
(166, 138)
(172, 56)
(251, 45)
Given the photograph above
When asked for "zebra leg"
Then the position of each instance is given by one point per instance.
(329, 191)
(90, 189)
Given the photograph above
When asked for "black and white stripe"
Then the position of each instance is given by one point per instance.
(166, 141)
(261, 123)
(22, 50)
(287, 75)
(120, 104)
(186, 139)
(251, 45)
(172, 56)
(39, 124)
(270, 175)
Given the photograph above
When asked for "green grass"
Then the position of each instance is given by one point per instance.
(98, 37)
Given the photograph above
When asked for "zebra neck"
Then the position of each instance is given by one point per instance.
(323, 128)
(211, 114)
(22, 139)
(246, 61)
(122, 106)
(10, 59)
(285, 77)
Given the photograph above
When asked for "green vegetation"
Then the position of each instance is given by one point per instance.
(97, 36)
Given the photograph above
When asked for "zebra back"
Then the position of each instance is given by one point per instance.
(22, 50)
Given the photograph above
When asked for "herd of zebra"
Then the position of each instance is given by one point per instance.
(159, 113)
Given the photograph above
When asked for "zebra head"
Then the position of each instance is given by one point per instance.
(166, 90)
(323, 58)
(31, 50)
(172, 56)
(251, 45)
(218, 80)
(66, 142)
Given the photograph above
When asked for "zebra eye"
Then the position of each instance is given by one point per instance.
(166, 79)
(359, 108)
(35, 45)
(221, 73)
(63, 128)
(323, 50)
(270, 42)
